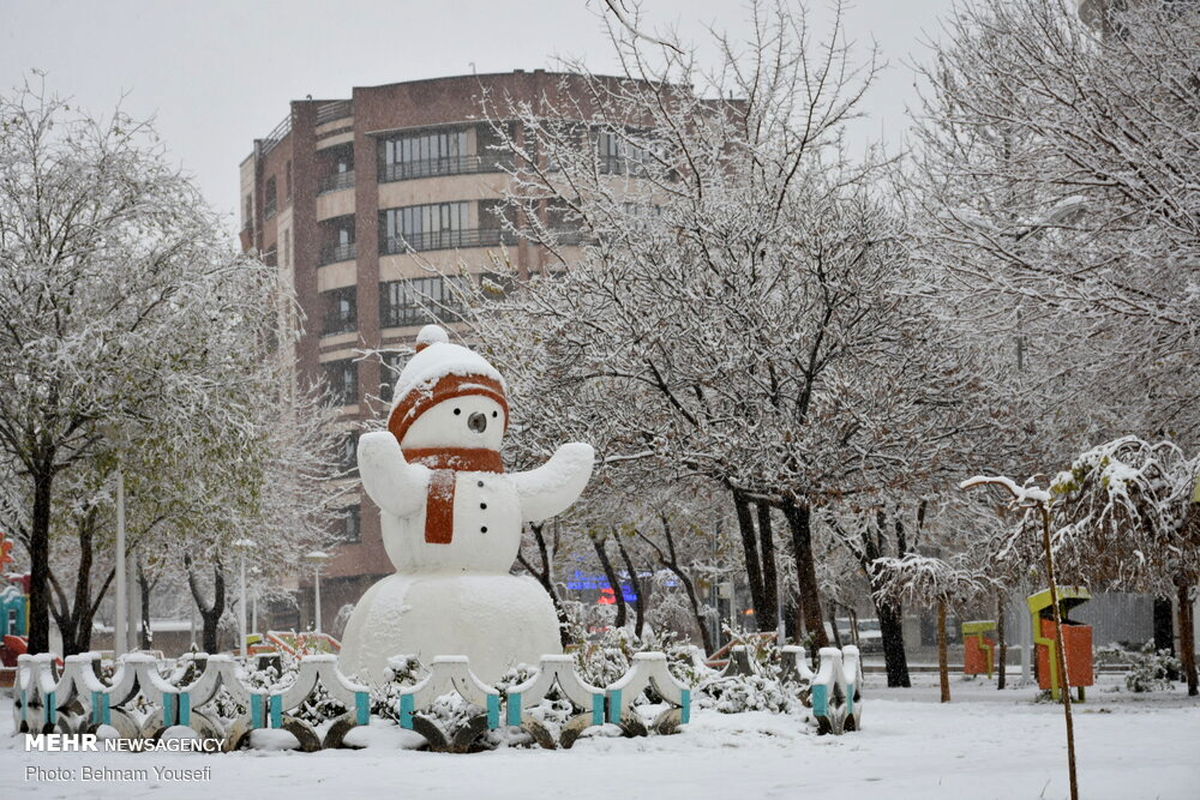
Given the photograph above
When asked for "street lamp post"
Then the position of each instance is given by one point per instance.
(121, 623)
(255, 571)
(317, 559)
(242, 545)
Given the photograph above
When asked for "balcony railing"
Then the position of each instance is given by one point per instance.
(622, 165)
(333, 253)
(336, 181)
(405, 316)
(448, 240)
(337, 109)
(450, 165)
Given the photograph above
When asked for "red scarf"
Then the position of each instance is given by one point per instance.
(445, 462)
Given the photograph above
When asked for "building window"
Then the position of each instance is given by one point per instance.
(248, 213)
(342, 377)
(619, 156)
(341, 311)
(269, 199)
(338, 241)
(421, 155)
(389, 372)
(435, 226)
(418, 301)
(350, 524)
(287, 183)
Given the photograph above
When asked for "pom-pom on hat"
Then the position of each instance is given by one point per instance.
(439, 371)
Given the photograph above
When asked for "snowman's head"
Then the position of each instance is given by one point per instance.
(470, 421)
(448, 397)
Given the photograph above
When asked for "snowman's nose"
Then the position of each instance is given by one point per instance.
(477, 422)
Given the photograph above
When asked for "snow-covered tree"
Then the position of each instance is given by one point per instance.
(1053, 190)
(735, 308)
(131, 332)
(929, 581)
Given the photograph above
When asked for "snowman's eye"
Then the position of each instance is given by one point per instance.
(495, 413)
(457, 411)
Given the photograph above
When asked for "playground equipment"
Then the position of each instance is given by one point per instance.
(1077, 640)
(14, 616)
(292, 643)
(979, 650)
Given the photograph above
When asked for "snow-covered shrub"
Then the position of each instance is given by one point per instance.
(402, 671)
(760, 691)
(1151, 670)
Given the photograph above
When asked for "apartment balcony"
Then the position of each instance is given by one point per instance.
(331, 254)
(448, 240)
(451, 165)
(336, 182)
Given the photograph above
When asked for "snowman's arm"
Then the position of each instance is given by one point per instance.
(395, 485)
(553, 487)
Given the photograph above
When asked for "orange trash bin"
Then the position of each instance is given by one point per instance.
(1077, 640)
(979, 650)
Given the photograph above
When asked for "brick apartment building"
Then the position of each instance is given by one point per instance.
(335, 196)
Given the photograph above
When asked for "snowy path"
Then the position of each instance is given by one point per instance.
(986, 744)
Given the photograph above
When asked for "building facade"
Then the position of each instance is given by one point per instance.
(338, 197)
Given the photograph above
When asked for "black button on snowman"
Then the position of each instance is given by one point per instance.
(451, 520)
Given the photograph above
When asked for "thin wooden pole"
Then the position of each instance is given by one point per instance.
(1060, 655)
(943, 648)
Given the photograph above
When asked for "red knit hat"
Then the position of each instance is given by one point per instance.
(442, 371)
(416, 402)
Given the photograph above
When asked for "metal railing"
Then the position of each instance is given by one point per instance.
(277, 135)
(340, 321)
(622, 165)
(449, 165)
(432, 311)
(333, 253)
(448, 240)
(336, 181)
(338, 109)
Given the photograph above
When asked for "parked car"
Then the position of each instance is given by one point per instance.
(870, 635)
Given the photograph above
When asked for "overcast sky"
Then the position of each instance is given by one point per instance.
(219, 73)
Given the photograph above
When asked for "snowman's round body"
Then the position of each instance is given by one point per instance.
(451, 523)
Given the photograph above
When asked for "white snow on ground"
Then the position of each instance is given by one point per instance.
(986, 744)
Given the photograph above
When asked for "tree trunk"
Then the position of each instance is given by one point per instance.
(690, 587)
(147, 638)
(943, 652)
(635, 583)
(891, 630)
(39, 559)
(613, 581)
(799, 520)
(210, 616)
(544, 578)
(1187, 636)
(770, 602)
(754, 576)
(1002, 640)
(1164, 625)
(837, 635)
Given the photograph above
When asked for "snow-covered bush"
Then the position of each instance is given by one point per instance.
(1151, 670)
(762, 690)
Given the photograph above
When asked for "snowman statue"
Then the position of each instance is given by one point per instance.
(451, 520)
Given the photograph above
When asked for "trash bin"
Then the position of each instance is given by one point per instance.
(979, 650)
(1077, 640)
